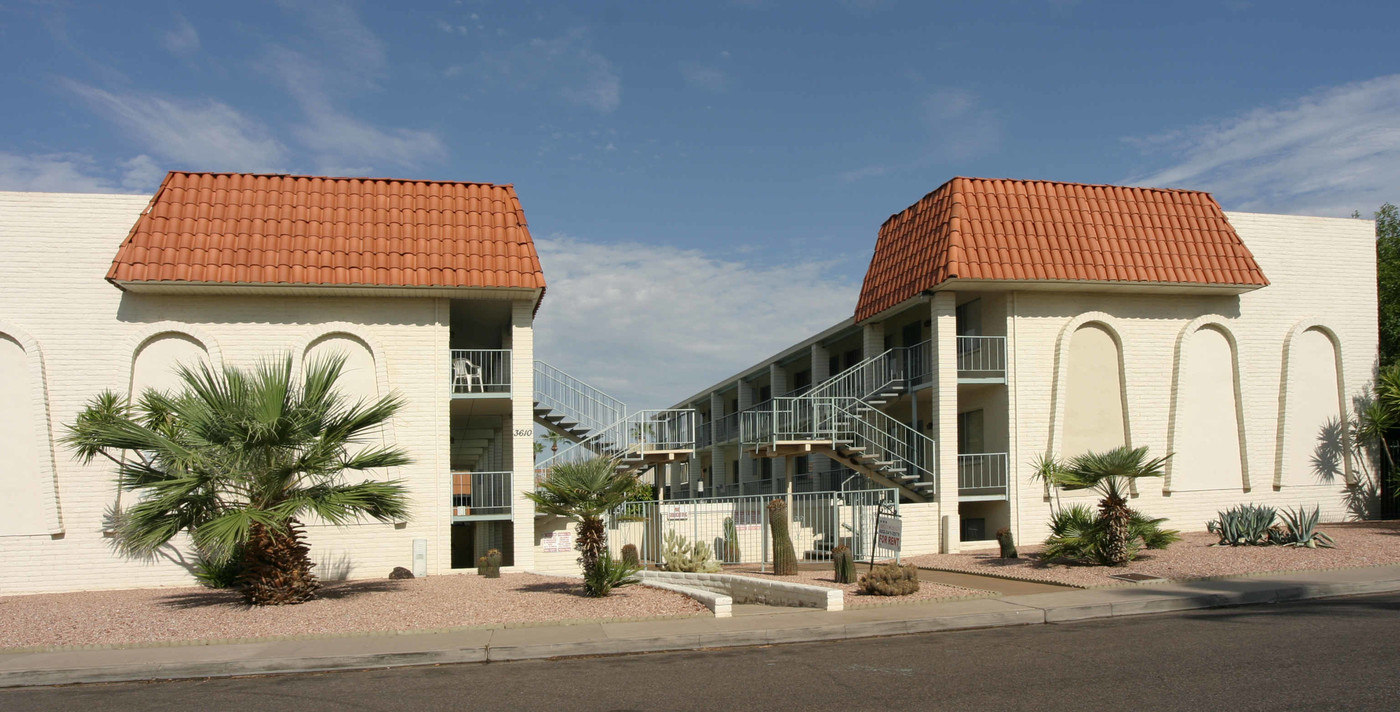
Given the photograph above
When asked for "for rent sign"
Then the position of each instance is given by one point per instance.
(888, 531)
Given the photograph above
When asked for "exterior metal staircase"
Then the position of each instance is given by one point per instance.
(570, 407)
(841, 419)
(638, 441)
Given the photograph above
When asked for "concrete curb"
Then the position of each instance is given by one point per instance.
(1007, 611)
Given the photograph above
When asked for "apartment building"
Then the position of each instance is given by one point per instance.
(428, 288)
(1001, 320)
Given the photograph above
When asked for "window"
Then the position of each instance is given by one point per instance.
(970, 433)
(912, 334)
(765, 393)
(802, 379)
(969, 318)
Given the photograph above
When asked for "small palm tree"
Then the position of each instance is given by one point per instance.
(1110, 474)
(236, 458)
(587, 490)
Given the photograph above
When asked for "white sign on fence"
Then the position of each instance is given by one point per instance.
(888, 533)
(559, 542)
(677, 513)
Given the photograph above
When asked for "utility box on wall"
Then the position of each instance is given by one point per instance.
(420, 557)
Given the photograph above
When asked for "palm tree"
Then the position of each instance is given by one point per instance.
(236, 458)
(554, 440)
(1110, 474)
(587, 490)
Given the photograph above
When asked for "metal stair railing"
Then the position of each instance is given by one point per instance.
(864, 379)
(632, 436)
(889, 440)
(576, 400)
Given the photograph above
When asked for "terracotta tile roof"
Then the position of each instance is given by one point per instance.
(231, 228)
(1028, 230)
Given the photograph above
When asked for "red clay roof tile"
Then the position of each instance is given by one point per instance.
(233, 228)
(976, 228)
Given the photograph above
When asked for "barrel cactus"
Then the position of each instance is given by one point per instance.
(1008, 544)
(489, 565)
(784, 555)
(630, 555)
(845, 564)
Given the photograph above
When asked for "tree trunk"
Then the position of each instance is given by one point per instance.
(1116, 516)
(277, 567)
(592, 537)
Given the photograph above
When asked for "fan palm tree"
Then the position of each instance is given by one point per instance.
(236, 458)
(588, 490)
(1110, 474)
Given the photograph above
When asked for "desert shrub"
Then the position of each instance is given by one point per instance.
(891, 580)
(1077, 533)
(681, 554)
(212, 573)
(1300, 529)
(607, 574)
(1244, 525)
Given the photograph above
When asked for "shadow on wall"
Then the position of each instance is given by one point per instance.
(1362, 498)
(337, 569)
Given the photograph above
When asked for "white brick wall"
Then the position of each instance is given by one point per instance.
(55, 250)
(1321, 270)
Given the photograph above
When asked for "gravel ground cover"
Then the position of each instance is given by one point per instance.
(1358, 544)
(169, 615)
(855, 598)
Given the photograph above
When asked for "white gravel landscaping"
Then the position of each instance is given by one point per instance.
(1358, 544)
(171, 615)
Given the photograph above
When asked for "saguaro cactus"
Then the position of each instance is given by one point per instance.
(730, 555)
(845, 564)
(784, 556)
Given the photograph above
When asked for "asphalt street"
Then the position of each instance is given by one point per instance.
(1317, 655)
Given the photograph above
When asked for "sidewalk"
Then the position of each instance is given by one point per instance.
(782, 625)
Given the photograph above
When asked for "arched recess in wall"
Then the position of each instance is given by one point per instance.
(159, 347)
(365, 375)
(1313, 447)
(1206, 435)
(1090, 410)
(28, 481)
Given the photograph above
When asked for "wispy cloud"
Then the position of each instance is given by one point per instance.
(1327, 153)
(183, 39)
(201, 134)
(704, 77)
(76, 173)
(653, 324)
(347, 53)
(960, 124)
(567, 65)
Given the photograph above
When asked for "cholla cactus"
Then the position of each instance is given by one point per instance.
(845, 564)
(784, 555)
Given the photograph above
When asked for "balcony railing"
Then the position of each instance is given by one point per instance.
(726, 429)
(480, 371)
(982, 357)
(982, 474)
(480, 494)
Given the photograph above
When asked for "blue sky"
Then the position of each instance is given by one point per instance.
(705, 179)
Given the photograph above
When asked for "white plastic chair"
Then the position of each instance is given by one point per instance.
(465, 373)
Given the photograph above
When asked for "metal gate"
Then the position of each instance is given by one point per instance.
(736, 528)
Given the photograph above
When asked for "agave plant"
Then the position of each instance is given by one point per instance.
(1244, 525)
(1300, 529)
